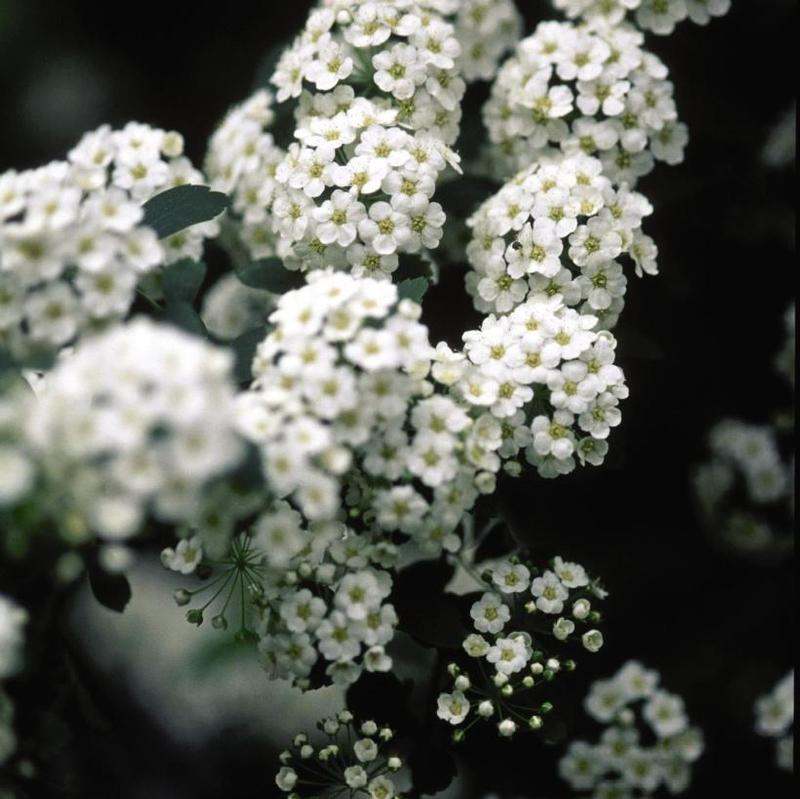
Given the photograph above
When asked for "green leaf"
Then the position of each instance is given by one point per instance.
(7, 362)
(244, 348)
(413, 288)
(181, 314)
(271, 275)
(182, 280)
(181, 207)
(110, 590)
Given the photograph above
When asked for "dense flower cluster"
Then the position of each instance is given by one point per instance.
(775, 719)
(335, 373)
(324, 600)
(72, 243)
(590, 90)
(746, 489)
(241, 161)
(353, 762)
(313, 595)
(547, 380)
(401, 51)
(136, 418)
(658, 16)
(522, 624)
(372, 137)
(230, 308)
(558, 229)
(624, 763)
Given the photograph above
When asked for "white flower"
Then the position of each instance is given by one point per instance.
(563, 628)
(511, 578)
(452, 708)
(338, 218)
(385, 230)
(489, 614)
(572, 575)
(549, 592)
(592, 640)
(355, 777)
(509, 655)
(399, 70)
(185, 557)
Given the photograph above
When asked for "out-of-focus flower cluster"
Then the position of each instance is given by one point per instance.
(658, 16)
(352, 762)
(137, 419)
(72, 243)
(775, 719)
(524, 624)
(648, 742)
(585, 89)
(242, 160)
(746, 490)
(12, 621)
(230, 308)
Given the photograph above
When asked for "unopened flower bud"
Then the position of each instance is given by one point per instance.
(182, 597)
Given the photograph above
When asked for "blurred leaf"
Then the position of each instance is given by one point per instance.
(181, 314)
(113, 591)
(271, 275)
(38, 361)
(244, 348)
(413, 288)
(182, 207)
(182, 280)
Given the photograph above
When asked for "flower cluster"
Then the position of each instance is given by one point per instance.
(324, 599)
(401, 52)
(230, 308)
(559, 229)
(658, 16)
(522, 624)
(138, 416)
(355, 187)
(586, 90)
(336, 373)
(241, 161)
(746, 489)
(353, 762)
(774, 718)
(73, 245)
(313, 595)
(745, 456)
(623, 763)
(547, 380)
(486, 31)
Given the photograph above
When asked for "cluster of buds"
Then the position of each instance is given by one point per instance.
(351, 763)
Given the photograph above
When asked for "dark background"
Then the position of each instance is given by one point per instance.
(697, 344)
